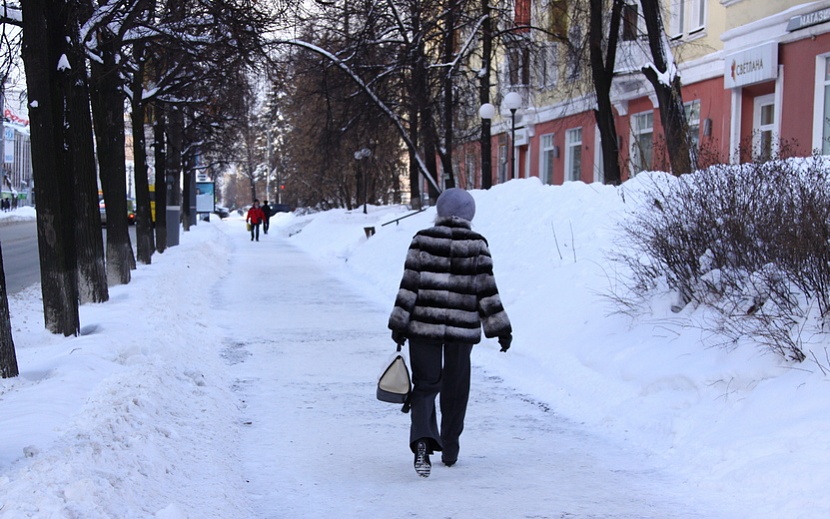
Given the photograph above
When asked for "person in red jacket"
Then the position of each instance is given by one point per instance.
(255, 217)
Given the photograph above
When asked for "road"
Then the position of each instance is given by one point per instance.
(20, 258)
(21, 262)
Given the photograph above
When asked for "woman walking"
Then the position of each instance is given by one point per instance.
(447, 295)
(255, 217)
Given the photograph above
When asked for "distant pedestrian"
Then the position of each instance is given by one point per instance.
(266, 222)
(447, 294)
(255, 217)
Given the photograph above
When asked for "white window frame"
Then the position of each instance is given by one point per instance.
(547, 157)
(687, 17)
(821, 105)
(637, 130)
(693, 120)
(547, 73)
(518, 61)
(502, 162)
(599, 165)
(758, 128)
(573, 147)
(639, 25)
(471, 168)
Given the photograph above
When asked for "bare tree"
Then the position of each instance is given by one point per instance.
(43, 44)
(603, 51)
(663, 75)
(108, 114)
(419, 49)
(8, 358)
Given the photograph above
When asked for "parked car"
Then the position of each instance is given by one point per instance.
(221, 212)
(280, 208)
(102, 208)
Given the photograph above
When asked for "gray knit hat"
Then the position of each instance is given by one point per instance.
(456, 202)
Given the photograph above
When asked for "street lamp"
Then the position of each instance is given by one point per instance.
(487, 111)
(358, 156)
(512, 101)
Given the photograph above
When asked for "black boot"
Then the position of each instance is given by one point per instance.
(422, 463)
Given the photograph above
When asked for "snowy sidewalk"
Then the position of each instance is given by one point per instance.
(316, 443)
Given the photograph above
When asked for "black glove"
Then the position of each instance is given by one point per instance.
(505, 341)
(398, 337)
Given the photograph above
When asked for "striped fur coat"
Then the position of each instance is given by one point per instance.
(448, 292)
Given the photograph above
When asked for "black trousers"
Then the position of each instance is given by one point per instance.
(255, 231)
(266, 224)
(439, 369)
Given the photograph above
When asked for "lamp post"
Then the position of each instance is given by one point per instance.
(358, 156)
(512, 101)
(487, 111)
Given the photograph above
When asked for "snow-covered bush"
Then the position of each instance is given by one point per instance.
(750, 241)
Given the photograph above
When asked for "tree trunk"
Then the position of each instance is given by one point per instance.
(8, 358)
(484, 95)
(160, 147)
(175, 139)
(108, 111)
(188, 188)
(414, 169)
(143, 219)
(682, 155)
(42, 45)
(78, 136)
(602, 73)
(449, 108)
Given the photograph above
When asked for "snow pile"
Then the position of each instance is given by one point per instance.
(134, 417)
(742, 419)
(17, 215)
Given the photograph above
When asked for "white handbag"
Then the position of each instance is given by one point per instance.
(395, 384)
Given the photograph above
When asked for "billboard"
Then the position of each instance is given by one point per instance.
(205, 197)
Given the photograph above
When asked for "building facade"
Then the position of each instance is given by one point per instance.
(756, 84)
(17, 152)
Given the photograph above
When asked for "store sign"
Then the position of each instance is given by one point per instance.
(751, 66)
(521, 137)
(8, 136)
(806, 20)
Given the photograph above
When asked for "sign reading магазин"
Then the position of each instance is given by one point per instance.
(751, 66)
(806, 20)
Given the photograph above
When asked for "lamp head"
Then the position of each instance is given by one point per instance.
(512, 101)
(487, 111)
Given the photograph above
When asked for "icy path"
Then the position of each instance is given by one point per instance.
(315, 442)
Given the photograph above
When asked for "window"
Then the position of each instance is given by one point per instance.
(698, 17)
(546, 66)
(518, 63)
(521, 13)
(471, 168)
(573, 156)
(763, 128)
(599, 166)
(642, 141)
(502, 163)
(630, 19)
(547, 154)
(557, 18)
(693, 119)
(574, 58)
(687, 17)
